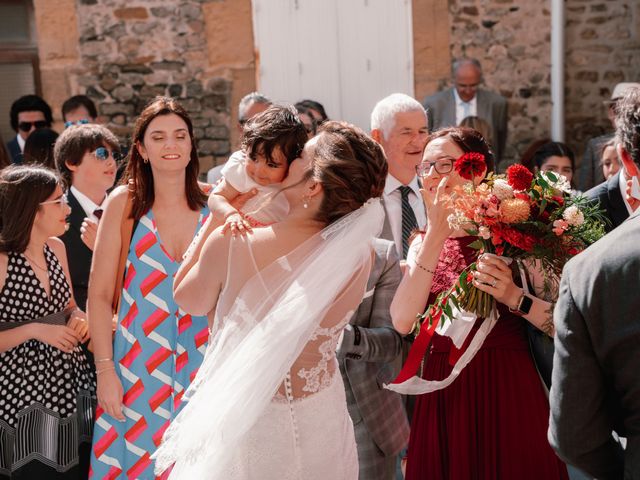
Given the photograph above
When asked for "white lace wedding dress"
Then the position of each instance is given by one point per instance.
(268, 401)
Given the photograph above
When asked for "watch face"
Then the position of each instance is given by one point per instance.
(525, 305)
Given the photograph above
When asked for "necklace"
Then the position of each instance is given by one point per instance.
(33, 262)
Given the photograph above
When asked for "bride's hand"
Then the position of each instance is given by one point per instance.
(494, 276)
(438, 210)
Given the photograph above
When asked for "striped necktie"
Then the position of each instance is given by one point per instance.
(409, 222)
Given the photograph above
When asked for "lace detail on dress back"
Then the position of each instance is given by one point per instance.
(315, 367)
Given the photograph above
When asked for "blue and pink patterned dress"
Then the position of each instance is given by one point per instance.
(157, 351)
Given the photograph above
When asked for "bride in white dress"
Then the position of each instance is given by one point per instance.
(268, 401)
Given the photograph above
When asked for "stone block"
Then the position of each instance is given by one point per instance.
(190, 12)
(215, 147)
(174, 66)
(162, 12)
(57, 27)
(200, 122)
(229, 33)
(588, 76)
(122, 93)
(217, 102)
(194, 89)
(191, 104)
(175, 90)
(218, 133)
(219, 85)
(151, 91)
(133, 79)
(95, 94)
(136, 68)
(110, 109)
(119, 119)
(131, 13)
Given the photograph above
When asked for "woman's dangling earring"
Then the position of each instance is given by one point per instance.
(305, 202)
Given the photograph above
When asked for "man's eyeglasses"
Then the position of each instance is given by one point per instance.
(26, 126)
(441, 166)
(102, 154)
(63, 200)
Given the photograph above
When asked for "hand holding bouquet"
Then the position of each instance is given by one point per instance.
(520, 215)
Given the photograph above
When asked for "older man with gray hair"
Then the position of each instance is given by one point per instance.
(466, 99)
(399, 124)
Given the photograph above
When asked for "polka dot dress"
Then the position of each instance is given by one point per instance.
(46, 395)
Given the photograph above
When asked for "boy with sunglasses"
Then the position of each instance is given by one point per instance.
(87, 158)
(28, 113)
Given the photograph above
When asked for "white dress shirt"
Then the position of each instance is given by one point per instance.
(393, 205)
(465, 109)
(88, 205)
(21, 142)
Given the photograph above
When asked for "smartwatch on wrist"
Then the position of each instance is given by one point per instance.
(523, 307)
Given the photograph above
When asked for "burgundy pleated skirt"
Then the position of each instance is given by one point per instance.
(491, 423)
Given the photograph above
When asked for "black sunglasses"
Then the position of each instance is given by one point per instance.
(26, 126)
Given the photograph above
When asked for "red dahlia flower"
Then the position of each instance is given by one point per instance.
(519, 177)
(470, 165)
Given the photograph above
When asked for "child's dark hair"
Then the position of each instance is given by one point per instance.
(277, 126)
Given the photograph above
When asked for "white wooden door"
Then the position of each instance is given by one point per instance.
(346, 54)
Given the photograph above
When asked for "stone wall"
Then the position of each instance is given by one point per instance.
(124, 53)
(512, 39)
(603, 48)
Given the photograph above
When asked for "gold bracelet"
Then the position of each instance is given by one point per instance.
(103, 360)
(108, 369)
(432, 272)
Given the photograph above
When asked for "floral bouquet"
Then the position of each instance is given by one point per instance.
(518, 215)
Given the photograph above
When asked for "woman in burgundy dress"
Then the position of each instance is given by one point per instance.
(491, 422)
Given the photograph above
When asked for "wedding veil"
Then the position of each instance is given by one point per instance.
(256, 341)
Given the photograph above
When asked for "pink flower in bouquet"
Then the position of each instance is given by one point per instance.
(470, 165)
(484, 232)
(519, 177)
(514, 210)
(560, 226)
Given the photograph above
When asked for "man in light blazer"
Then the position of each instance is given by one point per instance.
(368, 348)
(449, 107)
(596, 385)
(399, 125)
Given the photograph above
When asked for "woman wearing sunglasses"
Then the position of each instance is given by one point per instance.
(86, 157)
(47, 387)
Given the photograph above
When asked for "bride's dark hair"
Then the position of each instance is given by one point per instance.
(350, 166)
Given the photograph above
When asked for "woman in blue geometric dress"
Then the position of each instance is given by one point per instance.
(157, 348)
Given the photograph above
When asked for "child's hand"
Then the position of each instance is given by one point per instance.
(236, 223)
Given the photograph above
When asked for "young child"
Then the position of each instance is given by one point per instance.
(270, 142)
